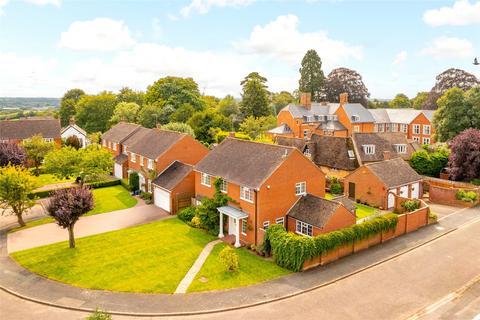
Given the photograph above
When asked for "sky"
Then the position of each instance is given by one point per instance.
(50, 46)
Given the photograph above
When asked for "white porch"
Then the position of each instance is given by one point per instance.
(234, 222)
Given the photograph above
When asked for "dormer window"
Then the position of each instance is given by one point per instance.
(351, 155)
(307, 153)
(401, 148)
(355, 118)
(321, 118)
(309, 118)
(369, 148)
(332, 117)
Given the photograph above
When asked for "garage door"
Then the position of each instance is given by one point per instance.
(391, 198)
(404, 192)
(118, 171)
(162, 199)
(415, 190)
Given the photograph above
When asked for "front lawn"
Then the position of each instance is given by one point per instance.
(364, 211)
(106, 200)
(150, 258)
(253, 269)
(46, 179)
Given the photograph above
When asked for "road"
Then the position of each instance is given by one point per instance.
(396, 289)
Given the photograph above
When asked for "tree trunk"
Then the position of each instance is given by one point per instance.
(71, 237)
(20, 220)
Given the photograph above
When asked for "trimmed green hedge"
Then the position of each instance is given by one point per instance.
(94, 185)
(290, 250)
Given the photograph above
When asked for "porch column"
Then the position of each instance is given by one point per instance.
(237, 234)
(220, 232)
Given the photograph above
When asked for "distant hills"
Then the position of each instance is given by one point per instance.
(28, 103)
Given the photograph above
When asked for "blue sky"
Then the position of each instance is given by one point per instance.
(49, 46)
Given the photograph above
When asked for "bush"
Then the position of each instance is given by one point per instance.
(335, 186)
(148, 197)
(430, 162)
(469, 196)
(475, 182)
(229, 259)
(73, 142)
(99, 315)
(187, 214)
(411, 205)
(125, 184)
(291, 251)
(432, 216)
(133, 181)
(104, 184)
(196, 222)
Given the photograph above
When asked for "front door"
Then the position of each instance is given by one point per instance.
(232, 225)
(351, 190)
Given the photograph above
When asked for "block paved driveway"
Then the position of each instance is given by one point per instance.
(86, 226)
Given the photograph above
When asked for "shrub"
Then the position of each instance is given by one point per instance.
(469, 196)
(475, 182)
(291, 251)
(148, 197)
(99, 315)
(73, 142)
(187, 214)
(229, 259)
(432, 216)
(196, 222)
(335, 186)
(133, 181)
(411, 205)
(103, 184)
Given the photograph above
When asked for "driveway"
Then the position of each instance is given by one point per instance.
(86, 226)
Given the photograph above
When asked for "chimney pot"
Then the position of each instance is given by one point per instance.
(343, 98)
(306, 100)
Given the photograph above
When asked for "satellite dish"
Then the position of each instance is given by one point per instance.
(475, 62)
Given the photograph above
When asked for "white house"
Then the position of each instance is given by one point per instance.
(73, 130)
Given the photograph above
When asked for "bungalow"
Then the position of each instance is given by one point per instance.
(264, 181)
(312, 215)
(15, 131)
(74, 130)
(376, 183)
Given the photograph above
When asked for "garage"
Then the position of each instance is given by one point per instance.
(162, 199)
(118, 171)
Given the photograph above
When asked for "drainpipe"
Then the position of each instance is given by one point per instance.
(256, 218)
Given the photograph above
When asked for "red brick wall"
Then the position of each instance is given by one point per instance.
(447, 196)
(345, 120)
(368, 188)
(421, 120)
(186, 186)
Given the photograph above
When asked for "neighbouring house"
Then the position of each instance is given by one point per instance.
(74, 130)
(377, 146)
(15, 131)
(312, 215)
(324, 118)
(415, 124)
(264, 181)
(155, 151)
(376, 183)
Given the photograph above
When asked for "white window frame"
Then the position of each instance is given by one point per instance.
(205, 179)
(426, 129)
(401, 148)
(104, 143)
(393, 127)
(280, 221)
(404, 128)
(301, 188)
(416, 139)
(380, 127)
(150, 164)
(48, 139)
(369, 149)
(416, 129)
(142, 160)
(351, 154)
(355, 118)
(356, 128)
(114, 146)
(310, 118)
(426, 140)
(133, 157)
(307, 153)
(265, 225)
(246, 194)
(304, 228)
(244, 226)
(224, 186)
(305, 133)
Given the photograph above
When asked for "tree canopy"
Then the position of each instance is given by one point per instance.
(125, 111)
(254, 96)
(342, 80)
(12, 153)
(312, 79)
(419, 100)
(400, 101)
(130, 96)
(205, 122)
(255, 127)
(94, 112)
(281, 99)
(37, 149)
(464, 161)
(68, 105)
(179, 127)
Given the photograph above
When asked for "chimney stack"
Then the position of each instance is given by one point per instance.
(386, 155)
(343, 98)
(306, 100)
(71, 121)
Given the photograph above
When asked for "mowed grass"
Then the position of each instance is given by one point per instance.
(46, 179)
(364, 211)
(151, 258)
(253, 269)
(106, 200)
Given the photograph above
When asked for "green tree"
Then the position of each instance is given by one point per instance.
(255, 127)
(125, 111)
(174, 92)
(419, 100)
(183, 113)
(228, 106)
(377, 104)
(16, 184)
(179, 127)
(203, 124)
(128, 95)
(281, 99)
(152, 115)
(400, 101)
(37, 149)
(68, 105)
(94, 112)
(254, 96)
(312, 79)
(210, 102)
(430, 161)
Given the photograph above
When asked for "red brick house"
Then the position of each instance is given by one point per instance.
(376, 183)
(264, 180)
(312, 215)
(15, 131)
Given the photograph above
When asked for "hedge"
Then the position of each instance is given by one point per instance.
(93, 185)
(290, 250)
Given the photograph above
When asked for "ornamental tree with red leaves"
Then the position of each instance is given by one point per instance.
(67, 205)
(11, 153)
(464, 160)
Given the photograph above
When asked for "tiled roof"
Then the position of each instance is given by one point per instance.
(121, 158)
(314, 210)
(383, 141)
(332, 152)
(76, 127)
(173, 175)
(405, 116)
(244, 162)
(136, 136)
(394, 172)
(155, 142)
(331, 125)
(356, 109)
(24, 129)
(281, 129)
(347, 203)
(298, 143)
(119, 132)
(299, 111)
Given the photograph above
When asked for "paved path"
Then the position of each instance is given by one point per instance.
(86, 226)
(187, 280)
(8, 219)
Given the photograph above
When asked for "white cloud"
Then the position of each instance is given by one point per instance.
(400, 57)
(172, 17)
(282, 39)
(203, 6)
(3, 3)
(100, 34)
(460, 14)
(448, 48)
(45, 2)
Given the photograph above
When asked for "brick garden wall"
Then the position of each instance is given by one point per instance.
(444, 192)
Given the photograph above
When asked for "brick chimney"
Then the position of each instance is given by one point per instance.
(71, 121)
(386, 155)
(343, 98)
(306, 100)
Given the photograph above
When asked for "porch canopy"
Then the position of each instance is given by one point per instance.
(236, 214)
